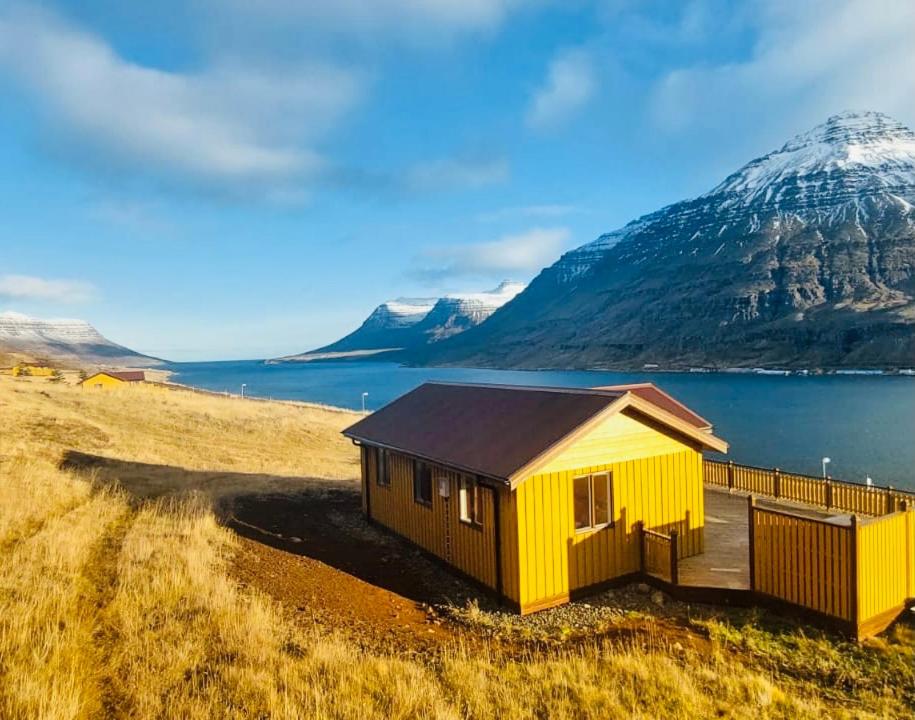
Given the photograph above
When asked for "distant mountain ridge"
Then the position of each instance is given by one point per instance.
(804, 257)
(409, 323)
(74, 342)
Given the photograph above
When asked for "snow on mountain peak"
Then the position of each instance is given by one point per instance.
(850, 156)
(495, 298)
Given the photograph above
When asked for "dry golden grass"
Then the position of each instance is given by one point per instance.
(115, 607)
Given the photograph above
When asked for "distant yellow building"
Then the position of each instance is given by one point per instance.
(109, 379)
(24, 370)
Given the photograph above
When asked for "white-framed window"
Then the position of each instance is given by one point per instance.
(422, 482)
(471, 503)
(593, 501)
(382, 476)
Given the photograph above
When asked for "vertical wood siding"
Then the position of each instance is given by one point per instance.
(884, 565)
(664, 492)
(862, 575)
(436, 528)
(804, 561)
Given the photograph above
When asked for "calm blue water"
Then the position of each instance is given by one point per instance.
(866, 425)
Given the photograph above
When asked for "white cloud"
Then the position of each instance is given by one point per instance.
(422, 21)
(569, 85)
(231, 127)
(456, 174)
(811, 59)
(511, 255)
(26, 287)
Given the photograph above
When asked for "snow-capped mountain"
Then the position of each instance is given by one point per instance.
(803, 257)
(408, 323)
(399, 313)
(70, 341)
(455, 313)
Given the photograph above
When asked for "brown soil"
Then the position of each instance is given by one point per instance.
(317, 557)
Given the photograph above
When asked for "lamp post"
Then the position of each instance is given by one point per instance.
(243, 386)
(869, 481)
(364, 396)
(826, 462)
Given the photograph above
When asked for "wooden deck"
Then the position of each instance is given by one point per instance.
(726, 560)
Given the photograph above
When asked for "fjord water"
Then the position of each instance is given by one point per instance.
(864, 424)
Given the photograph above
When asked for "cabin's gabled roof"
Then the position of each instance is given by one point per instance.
(502, 431)
(125, 375)
(656, 396)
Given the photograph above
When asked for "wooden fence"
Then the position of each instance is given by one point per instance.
(860, 573)
(659, 555)
(826, 493)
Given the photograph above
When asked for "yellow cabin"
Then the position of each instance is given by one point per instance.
(536, 493)
(109, 379)
(33, 371)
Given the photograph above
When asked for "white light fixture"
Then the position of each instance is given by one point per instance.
(364, 396)
(826, 462)
(243, 386)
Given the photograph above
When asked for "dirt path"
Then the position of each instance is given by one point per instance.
(317, 557)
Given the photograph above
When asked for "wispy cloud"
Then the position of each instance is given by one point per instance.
(417, 21)
(569, 85)
(528, 211)
(27, 287)
(456, 174)
(227, 127)
(511, 255)
(810, 59)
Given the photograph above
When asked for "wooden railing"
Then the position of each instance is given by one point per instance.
(826, 493)
(659, 554)
(861, 573)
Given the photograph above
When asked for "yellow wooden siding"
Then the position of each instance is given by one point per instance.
(436, 528)
(883, 565)
(664, 492)
(910, 552)
(102, 381)
(32, 371)
(619, 437)
(804, 561)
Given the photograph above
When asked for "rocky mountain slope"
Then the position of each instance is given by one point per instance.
(804, 257)
(410, 323)
(70, 342)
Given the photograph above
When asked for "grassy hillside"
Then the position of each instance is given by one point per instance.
(118, 597)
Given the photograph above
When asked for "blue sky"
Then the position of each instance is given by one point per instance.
(208, 179)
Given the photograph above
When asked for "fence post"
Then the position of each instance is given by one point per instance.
(890, 500)
(730, 474)
(828, 493)
(641, 527)
(776, 483)
(853, 595)
(674, 553)
(751, 530)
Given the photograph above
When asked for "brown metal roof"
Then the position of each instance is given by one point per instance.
(659, 398)
(491, 430)
(125, 375)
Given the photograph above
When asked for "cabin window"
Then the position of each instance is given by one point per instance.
(422, 483)
(381, 467)
(593, 501)
(470, 501)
